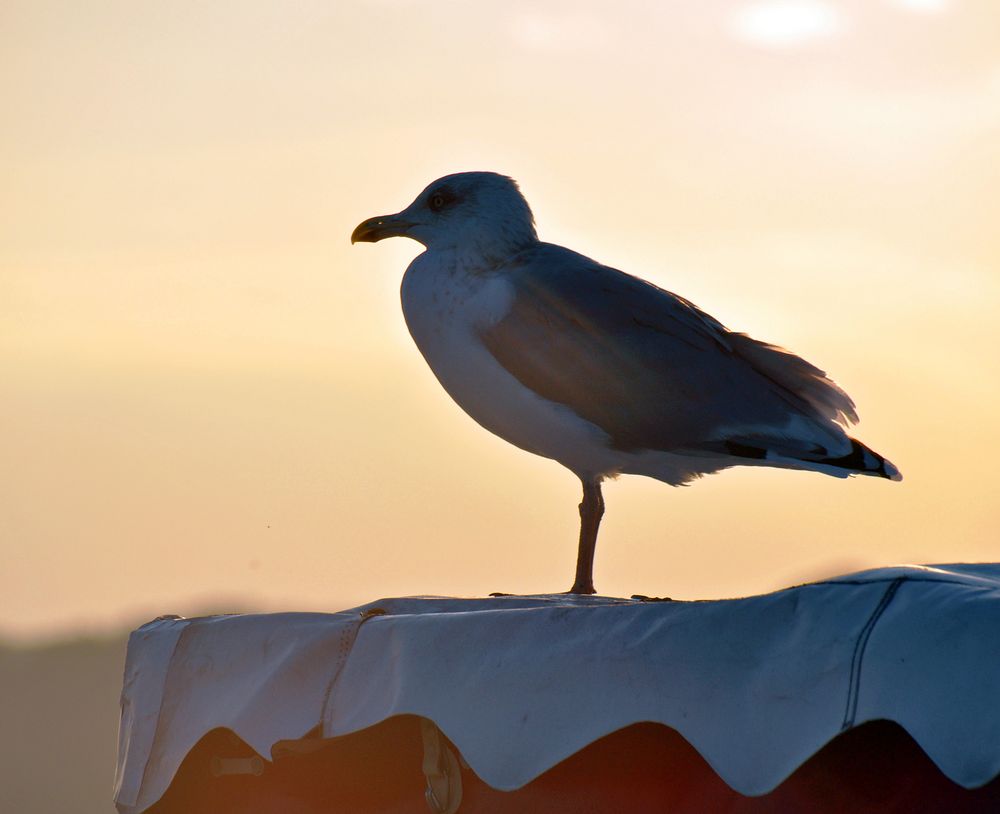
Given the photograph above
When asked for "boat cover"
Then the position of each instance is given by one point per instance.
(519, 683)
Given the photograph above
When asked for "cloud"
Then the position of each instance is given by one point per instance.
(786, 23)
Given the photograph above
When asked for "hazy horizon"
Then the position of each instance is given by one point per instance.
(206, 392)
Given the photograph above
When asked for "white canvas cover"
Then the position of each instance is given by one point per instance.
(756, 685)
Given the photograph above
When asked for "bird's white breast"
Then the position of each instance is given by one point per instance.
(445, 307)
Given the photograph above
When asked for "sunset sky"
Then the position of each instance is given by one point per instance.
(208, 397)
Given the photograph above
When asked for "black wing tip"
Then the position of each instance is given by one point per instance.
(866, 461)
(860, 460)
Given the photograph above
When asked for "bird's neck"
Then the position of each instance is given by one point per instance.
(485, 251)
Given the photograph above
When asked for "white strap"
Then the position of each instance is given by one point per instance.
(444, 776)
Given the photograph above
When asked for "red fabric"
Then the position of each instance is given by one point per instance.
(642, 769)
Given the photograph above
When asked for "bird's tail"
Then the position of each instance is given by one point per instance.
(861, 460)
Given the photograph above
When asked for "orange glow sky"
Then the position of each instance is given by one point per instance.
(208, 396)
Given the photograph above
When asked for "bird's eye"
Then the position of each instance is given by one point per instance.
(439, 200)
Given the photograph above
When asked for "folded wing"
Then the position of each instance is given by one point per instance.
(655, 372)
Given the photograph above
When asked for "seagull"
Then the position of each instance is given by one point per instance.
(594, 368)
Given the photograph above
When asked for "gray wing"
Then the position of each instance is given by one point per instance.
(650, 368)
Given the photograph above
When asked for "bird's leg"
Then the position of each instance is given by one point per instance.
(591, 511)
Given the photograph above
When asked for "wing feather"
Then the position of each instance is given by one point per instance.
(647, 366)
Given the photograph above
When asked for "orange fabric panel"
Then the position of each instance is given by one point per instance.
(642, 769)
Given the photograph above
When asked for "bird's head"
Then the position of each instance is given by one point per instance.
(480, 214)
